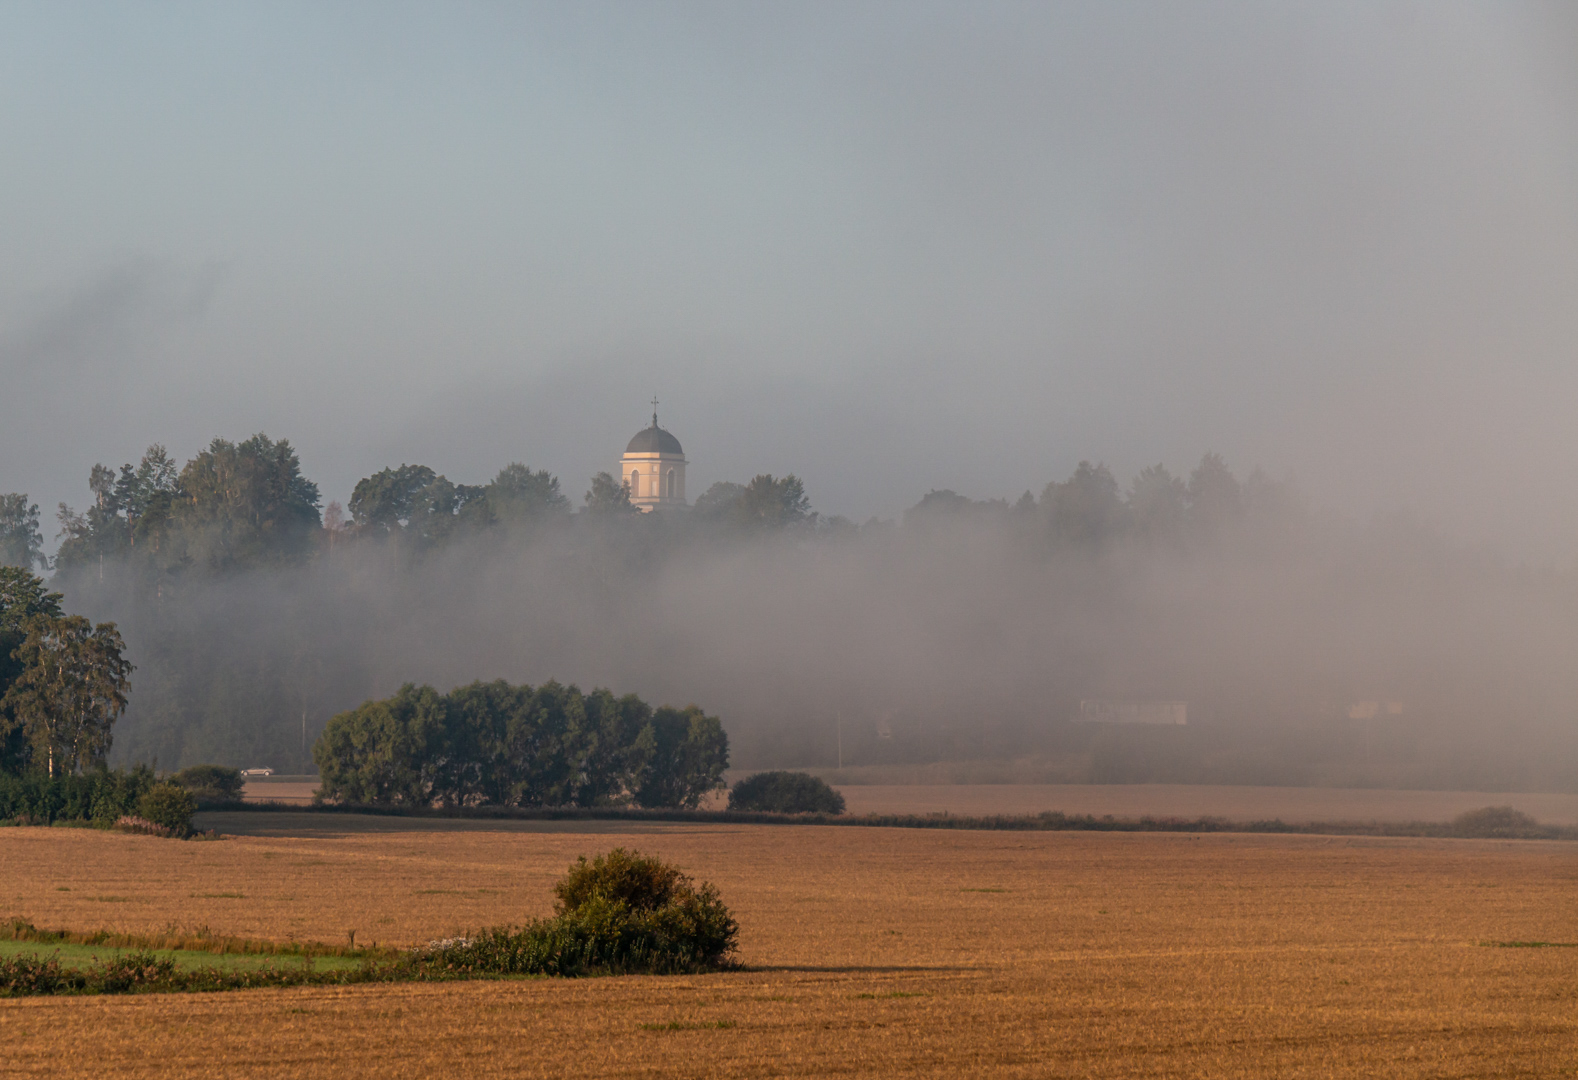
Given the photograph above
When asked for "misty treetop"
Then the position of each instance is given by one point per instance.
(233, 506)
(21, 542)
(243, 506)
(494, 744)
(767, 502)
(1090, 510)
(422, 507)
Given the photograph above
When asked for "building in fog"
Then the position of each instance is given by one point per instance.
(1129, 711)
(653, 468)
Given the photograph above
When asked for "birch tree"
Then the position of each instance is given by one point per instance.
(71, 690)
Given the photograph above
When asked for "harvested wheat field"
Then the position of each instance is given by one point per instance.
(1189, 801)
(871, 953)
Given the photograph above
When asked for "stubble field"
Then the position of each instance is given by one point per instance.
(871, 953)
(1231, 801)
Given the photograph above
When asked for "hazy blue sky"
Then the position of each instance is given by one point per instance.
(888, 247)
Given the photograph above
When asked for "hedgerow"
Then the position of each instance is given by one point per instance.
(100, 796)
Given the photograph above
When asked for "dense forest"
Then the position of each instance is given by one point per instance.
(967, 629)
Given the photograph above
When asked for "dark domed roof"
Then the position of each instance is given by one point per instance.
(654, 440)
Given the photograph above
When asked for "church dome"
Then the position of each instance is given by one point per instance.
(654, 440)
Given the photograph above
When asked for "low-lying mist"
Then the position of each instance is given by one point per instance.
(1309, 650)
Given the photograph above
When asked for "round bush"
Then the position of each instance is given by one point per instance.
(169, 805)
(1497, 823)
(623, 912)
(214, 783)
(639, 881)
(785, 793)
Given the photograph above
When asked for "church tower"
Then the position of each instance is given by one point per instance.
(653, 468)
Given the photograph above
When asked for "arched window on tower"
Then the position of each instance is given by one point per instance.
(635, 484)
(670, 478)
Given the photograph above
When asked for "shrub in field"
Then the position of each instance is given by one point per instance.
(620, 913)
(169, 806)
(1497, 823)
(639, 881)
(211, 783)
(785, 793)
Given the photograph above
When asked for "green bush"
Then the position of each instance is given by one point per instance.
(1497, 823)
(211, 783)
(620, 913)
(640, 882)
(785, 793)
(100, 796)
(494, 744)
(169, 806)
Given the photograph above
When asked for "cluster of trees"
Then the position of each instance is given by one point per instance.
(63, 681)
(246, 505)
(233, 506)
(423, 508)
(239, 506)
(494, 744)
(1091, 510)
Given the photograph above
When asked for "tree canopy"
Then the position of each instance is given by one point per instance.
(494, 744)
(23, 597)
(70, 691)
(233, 506)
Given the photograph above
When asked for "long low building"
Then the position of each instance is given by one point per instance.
(1129, 711)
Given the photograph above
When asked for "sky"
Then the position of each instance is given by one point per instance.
(885, 247)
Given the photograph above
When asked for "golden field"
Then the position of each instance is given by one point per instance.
(871, 953)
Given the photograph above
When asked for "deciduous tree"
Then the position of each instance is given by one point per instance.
(389, 751)
(520, 494)
(246, 504)
(774, 501)
(71, 690)
(608, 496)
(23, 596)
(689, 753)
(1085, 509)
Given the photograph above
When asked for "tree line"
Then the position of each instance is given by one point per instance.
(494, 744)
(247, 505)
